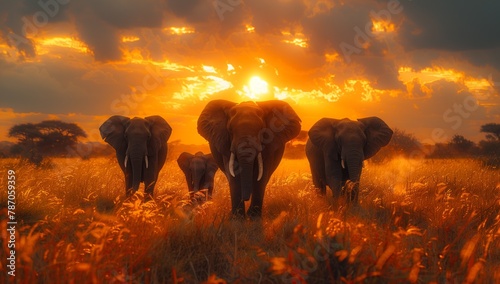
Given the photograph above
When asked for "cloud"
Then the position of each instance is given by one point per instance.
(451, 25)
(272, 17)
(102, 76)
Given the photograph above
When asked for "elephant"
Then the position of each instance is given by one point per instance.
(199, 170)
(247, 140)
(141, 148)
(336, 149)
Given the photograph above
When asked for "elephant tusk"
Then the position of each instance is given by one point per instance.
(261, 166)
(342, 163)
(146, 160)
(231, 165)
(126, 159)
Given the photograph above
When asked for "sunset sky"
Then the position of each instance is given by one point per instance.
(422, 65)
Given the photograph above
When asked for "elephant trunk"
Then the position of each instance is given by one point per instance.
(247, 180)
(196, 180)
(354, 167)
(137, 157)
(246, 170)
(136, 172)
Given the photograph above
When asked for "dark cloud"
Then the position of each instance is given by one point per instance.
(101, 38)
(18, 19)
(68, 86)
(129, 14)
(272, 17)
(451, 25)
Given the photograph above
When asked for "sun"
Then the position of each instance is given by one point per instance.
(256, 87)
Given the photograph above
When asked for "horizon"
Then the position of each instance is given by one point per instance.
(415, 64)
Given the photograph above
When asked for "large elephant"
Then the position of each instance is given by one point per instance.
(199, 170)
(247, 141)
(141, 148)
(336, 149)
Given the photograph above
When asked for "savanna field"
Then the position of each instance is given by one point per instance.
(419, 221)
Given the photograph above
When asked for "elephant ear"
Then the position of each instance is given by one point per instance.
(211, 164)
(281, 119)
(113, 131)
(212, 124)
(322, 135)
(159, 128)
(184, 160)
(378, 134)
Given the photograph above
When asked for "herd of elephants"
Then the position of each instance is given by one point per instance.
(247, 141)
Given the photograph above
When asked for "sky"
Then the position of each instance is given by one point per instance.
(431, 68)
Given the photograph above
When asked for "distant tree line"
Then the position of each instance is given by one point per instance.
(459, 146)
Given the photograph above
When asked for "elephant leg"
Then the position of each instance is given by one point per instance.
(355, 193)
(150, 178)
(317, 166)
(318, 177)
(255, 209)
(210, 188)
(336, 183)
(336, 187)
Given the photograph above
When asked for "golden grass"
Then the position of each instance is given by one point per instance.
(418, 222)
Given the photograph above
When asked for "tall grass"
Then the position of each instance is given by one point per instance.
(418, 222)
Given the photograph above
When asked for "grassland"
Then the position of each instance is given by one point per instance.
(418, 222)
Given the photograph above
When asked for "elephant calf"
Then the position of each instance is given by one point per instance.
(141, 148)
(199, 170)
(336, 149)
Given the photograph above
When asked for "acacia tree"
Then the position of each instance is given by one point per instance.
(491, 146)
(492, 131)
(47, 138)
(461, 146)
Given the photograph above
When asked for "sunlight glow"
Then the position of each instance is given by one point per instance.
(368, 93)
(298, 42)
(209, 69)
(256, 88)
(201, 87)
(382, 27)
(136, 57)
(250, 28)
(296, 39)
(480, 87)
(130, 39)
(179, 30)
(332, 57)
(65, 42)
(429, 75)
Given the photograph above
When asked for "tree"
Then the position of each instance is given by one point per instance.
(402, 144)
(490, 148)
(492, 131)
(47, 138)
(460, 145)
